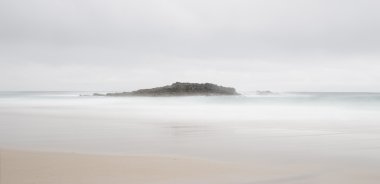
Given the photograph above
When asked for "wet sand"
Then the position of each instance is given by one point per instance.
(28, 167)
(22, 167)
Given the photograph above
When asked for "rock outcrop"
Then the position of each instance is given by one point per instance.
(180, 89)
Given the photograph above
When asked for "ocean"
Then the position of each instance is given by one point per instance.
(332, 128)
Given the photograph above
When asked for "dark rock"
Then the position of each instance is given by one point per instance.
(180, 89)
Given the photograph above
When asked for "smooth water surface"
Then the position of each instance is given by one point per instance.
(289, 127)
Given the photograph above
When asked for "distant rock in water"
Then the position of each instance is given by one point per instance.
(267, 92)
(180, 89)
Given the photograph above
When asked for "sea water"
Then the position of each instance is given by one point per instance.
(284, 127)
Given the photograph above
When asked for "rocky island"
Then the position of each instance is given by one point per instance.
(179, 89)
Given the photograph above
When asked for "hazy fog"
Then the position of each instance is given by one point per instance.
(292, 45)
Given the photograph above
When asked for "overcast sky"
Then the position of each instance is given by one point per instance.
(279, 45)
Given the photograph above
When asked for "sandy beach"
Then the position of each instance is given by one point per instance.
(27, 167)
(24, 167)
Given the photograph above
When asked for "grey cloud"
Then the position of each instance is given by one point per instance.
(237, 40)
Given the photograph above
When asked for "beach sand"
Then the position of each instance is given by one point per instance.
(24, 167)
(30, 167)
